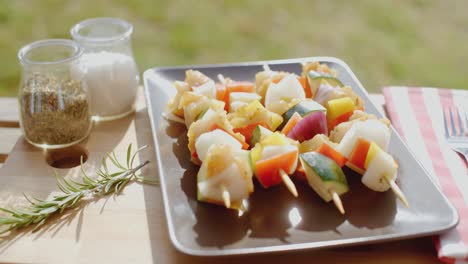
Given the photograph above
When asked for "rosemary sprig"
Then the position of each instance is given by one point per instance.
(105, 183)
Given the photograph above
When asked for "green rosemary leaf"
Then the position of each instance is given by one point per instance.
(76, 200)
(70, 186)
(69, 198)
(129, 153)
(38, 225)
(10, 220)
(117, 160)
(104, 164)
(134, 155)
(83, 172)
(58, 198)
(62, 188)
(59, 183)
(47, 204)
(28, 199)
(113, 159)
(101, 173)
(6, 210)
(89, 181)
(108, 186)
(122, 185)
(38, 219)
(117, 186)
(148, 181)
(37, 199)
(49, 210)
(21, 213)
(30, 221)
(115, 174)
(81, 186)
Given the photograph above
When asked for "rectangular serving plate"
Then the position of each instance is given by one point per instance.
(276, 221)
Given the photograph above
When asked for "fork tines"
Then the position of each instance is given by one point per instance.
(455, 122)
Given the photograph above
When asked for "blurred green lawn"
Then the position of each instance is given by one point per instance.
(422, 42)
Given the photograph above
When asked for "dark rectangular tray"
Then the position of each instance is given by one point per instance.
(276, 221)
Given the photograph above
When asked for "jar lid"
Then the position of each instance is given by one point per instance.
(101, 30)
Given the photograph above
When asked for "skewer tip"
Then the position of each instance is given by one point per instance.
(221, 78)
(288, 182)
(226, 197)
(398, 192)
(337, 201)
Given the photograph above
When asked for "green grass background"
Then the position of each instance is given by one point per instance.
(413, 42)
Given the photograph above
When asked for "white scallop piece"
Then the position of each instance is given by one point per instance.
(230, 178)
(381, 166)
(217, 136)
(287, 89)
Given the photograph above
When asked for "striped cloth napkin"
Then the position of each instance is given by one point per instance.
(416, 113)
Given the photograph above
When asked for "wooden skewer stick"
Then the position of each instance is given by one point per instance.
(266, 67)
(226, 196)
(397, 191)
(221, 78)
(337, 201)
(289, 184)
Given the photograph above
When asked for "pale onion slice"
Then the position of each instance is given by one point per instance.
(324, 92)
(381, 167)
(217, 136)
(370, 130)
(279, 95)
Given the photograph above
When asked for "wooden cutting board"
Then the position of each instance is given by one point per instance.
(131, 227)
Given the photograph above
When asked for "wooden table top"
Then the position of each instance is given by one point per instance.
(131, 227)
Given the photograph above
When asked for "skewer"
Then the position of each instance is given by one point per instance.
(397, 191)
(226, 196)
(221, 78)
(266, 67)
(289, 184)
(337, 201)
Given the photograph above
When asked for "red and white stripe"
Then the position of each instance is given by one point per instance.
(417, 115)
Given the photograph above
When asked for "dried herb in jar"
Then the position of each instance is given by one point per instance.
(54, 111)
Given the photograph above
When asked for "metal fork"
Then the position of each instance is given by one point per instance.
(456, 133)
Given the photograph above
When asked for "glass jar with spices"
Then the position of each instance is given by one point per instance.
(53, 100)
(108, 66)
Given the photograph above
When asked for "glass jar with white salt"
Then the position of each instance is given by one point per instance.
(108, 66)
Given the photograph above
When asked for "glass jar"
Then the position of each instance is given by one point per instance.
(108, 65)
(53, 101)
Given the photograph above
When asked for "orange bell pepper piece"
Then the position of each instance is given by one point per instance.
(267, 171)
(359, 153)
(330, 152)
(342, 118)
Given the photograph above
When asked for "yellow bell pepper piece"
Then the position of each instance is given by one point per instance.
(374, 149)
(338, 107)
